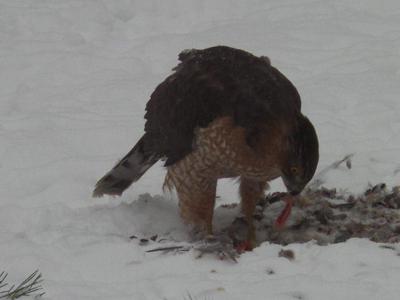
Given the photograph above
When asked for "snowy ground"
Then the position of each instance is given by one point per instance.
(74, 80)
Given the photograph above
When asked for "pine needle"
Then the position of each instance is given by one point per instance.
(3, 276)
(189, 296)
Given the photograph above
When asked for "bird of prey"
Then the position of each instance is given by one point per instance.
(222, 113)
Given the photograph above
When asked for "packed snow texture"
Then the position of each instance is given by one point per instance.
(74, 80)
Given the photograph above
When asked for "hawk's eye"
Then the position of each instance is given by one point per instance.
(294, 170)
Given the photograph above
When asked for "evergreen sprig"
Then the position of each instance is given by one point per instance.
(27, 287)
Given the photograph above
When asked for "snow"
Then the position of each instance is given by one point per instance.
(74, 79)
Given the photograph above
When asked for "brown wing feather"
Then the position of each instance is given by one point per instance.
(214, 82)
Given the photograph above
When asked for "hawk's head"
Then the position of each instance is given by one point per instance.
(302, 159)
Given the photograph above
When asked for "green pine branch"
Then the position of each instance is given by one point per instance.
(30, 285)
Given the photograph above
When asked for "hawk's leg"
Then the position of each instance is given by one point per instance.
(250, 192)
(196, 195)
(197, 205)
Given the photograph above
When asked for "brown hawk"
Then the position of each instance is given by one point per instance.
(223, 113)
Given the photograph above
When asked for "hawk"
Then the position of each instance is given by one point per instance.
(222, 113)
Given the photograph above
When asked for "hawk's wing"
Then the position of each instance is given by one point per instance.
(210, 83)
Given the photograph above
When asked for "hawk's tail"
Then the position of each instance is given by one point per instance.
(128, 170)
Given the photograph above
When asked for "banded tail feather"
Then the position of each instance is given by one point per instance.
(127, 171)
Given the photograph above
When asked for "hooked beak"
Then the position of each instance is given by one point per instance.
(293, 188)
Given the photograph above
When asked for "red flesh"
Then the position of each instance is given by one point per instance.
(281, 220)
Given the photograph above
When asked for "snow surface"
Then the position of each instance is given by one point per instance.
(74, 80)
